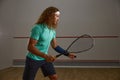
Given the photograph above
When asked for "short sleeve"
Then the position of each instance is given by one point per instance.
(36, 32)
(54, 34)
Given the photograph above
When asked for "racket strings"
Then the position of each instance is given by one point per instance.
(81, 44)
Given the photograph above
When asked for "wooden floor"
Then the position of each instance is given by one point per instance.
(15, 73)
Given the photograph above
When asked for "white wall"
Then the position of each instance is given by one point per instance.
(6, 29)
(95, 17)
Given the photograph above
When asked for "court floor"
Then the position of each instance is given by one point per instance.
(15, 73)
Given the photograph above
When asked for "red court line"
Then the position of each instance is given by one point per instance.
(92, 36)
(20, 37)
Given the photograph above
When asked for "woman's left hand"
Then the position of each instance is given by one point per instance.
(72, 55)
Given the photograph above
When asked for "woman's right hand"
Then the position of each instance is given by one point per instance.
(49, 58)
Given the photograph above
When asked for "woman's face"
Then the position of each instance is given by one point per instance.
(55, 17)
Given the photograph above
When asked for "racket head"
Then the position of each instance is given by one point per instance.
(81, 44)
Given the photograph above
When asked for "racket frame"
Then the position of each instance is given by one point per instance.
(83, 36)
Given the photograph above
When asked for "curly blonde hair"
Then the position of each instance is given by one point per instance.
(47, 16)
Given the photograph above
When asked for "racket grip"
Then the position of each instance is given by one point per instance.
(62, 54)
(58, 55)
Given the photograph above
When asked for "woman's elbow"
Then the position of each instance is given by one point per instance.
(29, 48)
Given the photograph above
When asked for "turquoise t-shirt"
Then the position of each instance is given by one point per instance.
(43, 35)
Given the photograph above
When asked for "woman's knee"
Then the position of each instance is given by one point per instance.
(53, 77)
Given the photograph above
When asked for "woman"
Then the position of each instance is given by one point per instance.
(42, 36)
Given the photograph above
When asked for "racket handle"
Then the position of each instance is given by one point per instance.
(61, 54)
(58, 55)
